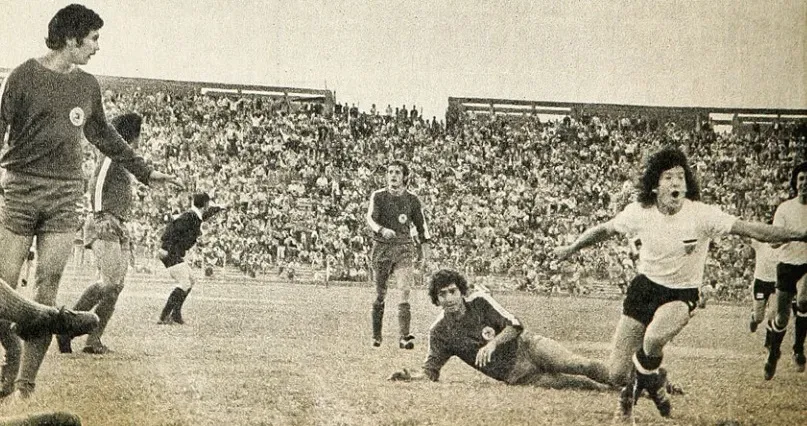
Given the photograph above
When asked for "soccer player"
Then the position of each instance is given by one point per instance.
(478, 330)
(47, 106)
(791, 276)
(675, 229)
(391, 214)
(179, 236)
(107, 236)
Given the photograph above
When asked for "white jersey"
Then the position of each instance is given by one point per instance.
(792, 215)
(674, 248)
(766, 261)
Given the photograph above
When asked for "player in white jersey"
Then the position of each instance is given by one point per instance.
(791, 276)
(675, 229)
(764, 283)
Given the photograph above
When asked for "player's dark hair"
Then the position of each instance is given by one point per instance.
(200, 200)
(74, 21)
(801, 168)
(657, 164)
(444, 278)
(128, 126)
(403, 166)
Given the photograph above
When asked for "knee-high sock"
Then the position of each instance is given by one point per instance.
(91, 296)
(378, 319)
(11, 345)
(33, 353)
(176, 314)
(404, 318)
(170, 303)
(104, 310)
(775, 336)
(800, 332)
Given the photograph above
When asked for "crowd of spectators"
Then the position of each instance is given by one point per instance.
(499, 191)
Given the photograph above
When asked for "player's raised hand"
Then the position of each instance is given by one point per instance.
(163, 178)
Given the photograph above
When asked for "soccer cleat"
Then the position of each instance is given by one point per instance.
(407, 342)
(627, 399)
(64, 342)
(99, 349)
(800, 361)
(376, 342)
(65, 321)
(753, 324)
(770, 364)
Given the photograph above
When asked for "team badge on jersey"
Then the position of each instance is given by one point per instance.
(77, 116)
(689, 245)
(488, 333)
(402, 218)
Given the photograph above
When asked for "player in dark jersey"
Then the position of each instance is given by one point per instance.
(48, 105)
(107, 236)
(179, 236)
(392, 212)
(479, 331)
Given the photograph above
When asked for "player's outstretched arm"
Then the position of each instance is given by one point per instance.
(591, 236)
(163, 178)
(767, 233)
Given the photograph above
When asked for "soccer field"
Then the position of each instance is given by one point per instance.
(296, 354)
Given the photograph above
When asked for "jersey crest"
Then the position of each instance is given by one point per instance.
(488, 333)
(402, 218)
(77, 116)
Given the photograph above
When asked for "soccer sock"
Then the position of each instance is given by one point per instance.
(16, 308)
(170, 303)
(378, 319)
(91, 296)
(12, 347)
(33, 353)
(800, 331)
(777, 334)
(177, 312)
(104, 310)
(404, 318)
(645, 364)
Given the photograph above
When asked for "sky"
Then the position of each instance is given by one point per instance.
(715, 53)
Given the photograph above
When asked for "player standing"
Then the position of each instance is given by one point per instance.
(47, 106)
(675, 229)
(391, 214)
(790, 276)
(107, 236)
(179, 236)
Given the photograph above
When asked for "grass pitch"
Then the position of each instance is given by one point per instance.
(295, 354)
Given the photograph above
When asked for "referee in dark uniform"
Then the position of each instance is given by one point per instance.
(180, 235)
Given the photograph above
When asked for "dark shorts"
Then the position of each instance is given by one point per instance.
(644, 297)
(37, 205)
(107, 227)
(763, 289)
(386, 258)
(787, 276)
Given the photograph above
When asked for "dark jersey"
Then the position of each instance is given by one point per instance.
(483, 320)
(48, 114)
(399, 213)
(180, 235)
